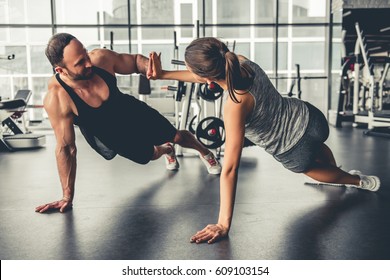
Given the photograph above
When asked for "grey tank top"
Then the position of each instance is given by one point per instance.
(276, 123)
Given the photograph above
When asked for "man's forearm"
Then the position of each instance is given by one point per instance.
(142, 64)
(66, 164)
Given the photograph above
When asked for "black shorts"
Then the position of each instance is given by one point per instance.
(299, 158)
(146, 128)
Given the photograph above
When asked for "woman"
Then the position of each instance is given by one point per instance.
(291, 130)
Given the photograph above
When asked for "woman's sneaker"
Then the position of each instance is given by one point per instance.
(212, 164)
(369, 183)
(171, 162)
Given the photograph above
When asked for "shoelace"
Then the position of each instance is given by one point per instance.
(212, 161)
(171, 159)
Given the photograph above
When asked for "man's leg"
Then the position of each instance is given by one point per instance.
(186, 139)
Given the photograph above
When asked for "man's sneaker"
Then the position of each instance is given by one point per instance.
(171, 162)
(212, 164)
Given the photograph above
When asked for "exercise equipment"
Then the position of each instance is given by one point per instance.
(210, 92)
(12, 136)
(7, 57)
(211, 132)
(364, 92)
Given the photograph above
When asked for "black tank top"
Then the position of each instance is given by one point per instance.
(106, 128)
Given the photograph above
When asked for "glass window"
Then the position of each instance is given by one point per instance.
(119, 35)
(133, 12)
(241, 48)
(13, 12)
(5, 85)
(233, 32)
(336, 56)
(264, 32)
(17, 65)
(308, 31)
(85, 35)
(14, 35)
(264, 11)
(161, 12)
(39, 63)
(116, 12)
(309, 11)
(283, 11)
(232, 11)
(264, 55)
(282, 56)
(38, 11)
(19, 83)
(39, 35)
(20, 11)
(166, 53)
(309, 55)
(93, 12)
(153, 33)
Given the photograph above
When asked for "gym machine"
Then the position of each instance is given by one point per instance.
(194, 115)
(12, 136)
(364, 97)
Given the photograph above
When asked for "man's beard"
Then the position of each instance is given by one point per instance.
(86, 75)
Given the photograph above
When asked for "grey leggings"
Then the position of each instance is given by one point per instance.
(301, 156)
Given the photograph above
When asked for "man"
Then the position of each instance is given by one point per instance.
(84, 92)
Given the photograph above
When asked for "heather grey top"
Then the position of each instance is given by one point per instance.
(276, 123)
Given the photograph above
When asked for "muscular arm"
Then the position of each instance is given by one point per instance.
(61, 119)
(119, 63)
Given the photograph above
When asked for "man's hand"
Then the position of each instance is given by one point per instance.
(62, 205)
(210, 234)
(154, 71)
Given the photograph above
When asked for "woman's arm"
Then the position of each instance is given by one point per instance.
(234, 117)
(155, 71)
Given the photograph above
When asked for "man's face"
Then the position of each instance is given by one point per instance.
(78, 65)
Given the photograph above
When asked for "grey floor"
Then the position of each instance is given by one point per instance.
(127, 211)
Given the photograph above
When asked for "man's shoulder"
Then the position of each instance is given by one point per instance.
(56, 94)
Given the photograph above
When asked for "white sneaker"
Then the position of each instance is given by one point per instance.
(369, 183)
(355, 172)
(212, 164)
(171, 162)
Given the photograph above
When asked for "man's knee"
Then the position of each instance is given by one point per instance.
(182, 136)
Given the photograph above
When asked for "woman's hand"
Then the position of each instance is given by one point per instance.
(154, 71)
(210, 234)
(62, 205)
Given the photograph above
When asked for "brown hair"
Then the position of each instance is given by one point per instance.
(210, 58)
(55, 48)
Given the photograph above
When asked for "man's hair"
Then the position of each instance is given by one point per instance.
(55, 48)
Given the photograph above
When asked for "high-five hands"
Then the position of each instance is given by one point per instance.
(154, 67)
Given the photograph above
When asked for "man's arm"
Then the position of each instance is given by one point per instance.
(61, 119)
(119, 63)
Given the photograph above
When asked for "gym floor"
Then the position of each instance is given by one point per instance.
(127, 211)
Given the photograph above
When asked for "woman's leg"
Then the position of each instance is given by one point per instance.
(325, 170)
